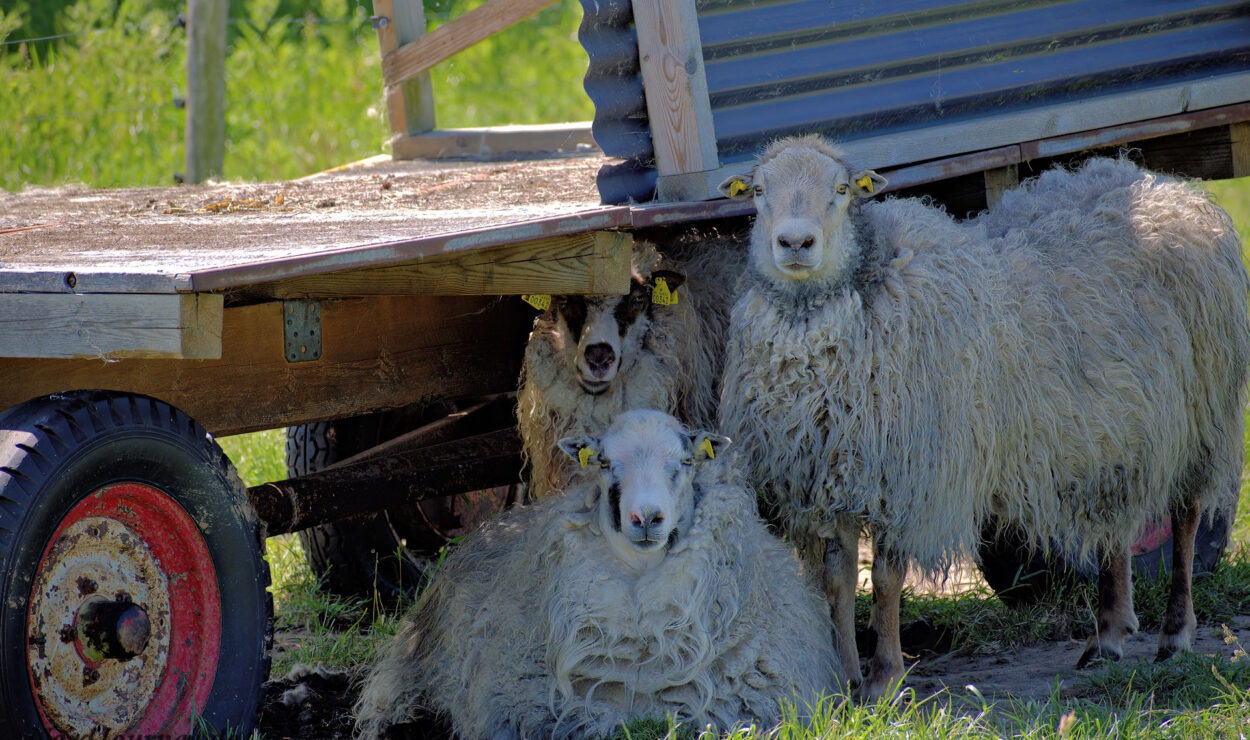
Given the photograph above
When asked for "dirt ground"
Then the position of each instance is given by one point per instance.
(317, 704)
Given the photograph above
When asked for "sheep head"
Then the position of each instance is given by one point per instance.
(644, 495)
(601, 332)
(803, 190)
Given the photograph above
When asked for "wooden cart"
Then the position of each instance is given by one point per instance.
(137, 324)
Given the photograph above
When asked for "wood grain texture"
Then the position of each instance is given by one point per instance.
(590, 262)
(1239, 135)
(206, 89)
(377, 353)
(671, 58)
(409, 104)
(455, 36)
(110, 327)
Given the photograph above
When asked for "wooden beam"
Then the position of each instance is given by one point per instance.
(410, 103)
(455, 36)
(377, 353)
(589, 262)
(674, 79)
(1239, 138)
(999, 181)
(206, 89)
(110, 326)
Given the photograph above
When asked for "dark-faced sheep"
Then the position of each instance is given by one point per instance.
(649, 589)
(1069, 362)
(590, 357)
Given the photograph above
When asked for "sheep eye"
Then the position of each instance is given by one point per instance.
(842, 188)
(759, 189)
(687, 461)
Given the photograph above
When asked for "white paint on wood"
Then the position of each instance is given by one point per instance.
(107, 327)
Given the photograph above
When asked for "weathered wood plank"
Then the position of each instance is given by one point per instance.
(409, 103)
(455, 36)
(1239, 135)
(377, 353)
(105, 326)
(494, 140)
(206, 89)
(671, 58)
(591, 262)
(998, 181)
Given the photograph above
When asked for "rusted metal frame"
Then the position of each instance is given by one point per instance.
(470, 464)
(1137, 131)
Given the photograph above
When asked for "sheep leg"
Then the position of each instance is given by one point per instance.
(1116, 619)
(840, 578)
(1179, 621)
(885, 668)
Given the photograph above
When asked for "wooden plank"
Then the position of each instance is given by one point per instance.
(206, 89)
(407, 251)
(593, 262)
(455, 36)
(410, 103)
(675, 82)
(377, 353)
(107, 326)
(998, 181)
(1239, 136)
(489, 141)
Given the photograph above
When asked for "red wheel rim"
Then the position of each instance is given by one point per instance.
(118, 540)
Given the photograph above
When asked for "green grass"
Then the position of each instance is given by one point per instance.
(303, 91)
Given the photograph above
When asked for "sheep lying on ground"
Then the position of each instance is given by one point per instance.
(591, 357)
(650, 589)
(1069, 362)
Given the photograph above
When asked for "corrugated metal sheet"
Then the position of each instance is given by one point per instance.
(862, 69)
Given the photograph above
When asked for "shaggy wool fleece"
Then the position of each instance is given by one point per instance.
(533, 628)
(671, 359)
(1071, 361)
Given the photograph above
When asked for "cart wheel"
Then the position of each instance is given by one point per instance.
(385, 553)
(131, 571)
(1020, 577)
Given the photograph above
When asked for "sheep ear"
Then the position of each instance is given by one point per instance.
(664, 285)
(581, 447)
(866, 183)
(707, 445)
(738, 186)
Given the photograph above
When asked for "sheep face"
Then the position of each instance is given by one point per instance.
(600, 332)
(645, 488)
(803, 190)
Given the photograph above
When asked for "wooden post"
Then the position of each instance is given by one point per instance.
(1239, 139)
(999, 181)
(410, 104)
(671, 57)
(206, 89)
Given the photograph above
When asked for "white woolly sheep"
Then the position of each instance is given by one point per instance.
(1069, 362)
(651, 588)
(590, 357)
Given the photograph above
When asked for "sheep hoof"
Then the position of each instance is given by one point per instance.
(1095, 655)
(1165, 652)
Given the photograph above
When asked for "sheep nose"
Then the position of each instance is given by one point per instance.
(599, 358)
(646, 518)
(795, 241)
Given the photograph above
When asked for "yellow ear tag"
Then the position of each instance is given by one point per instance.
(541, 302)
(866, 183)
(737, 187)
(706, 448)
(661, 295)
(584, 455)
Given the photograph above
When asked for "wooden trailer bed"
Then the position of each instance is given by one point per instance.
(185, 293)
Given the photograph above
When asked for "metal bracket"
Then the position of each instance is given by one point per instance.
(301, 330)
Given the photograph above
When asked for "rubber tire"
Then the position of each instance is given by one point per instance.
(58, 450)
(1020, 577)
(358, 556)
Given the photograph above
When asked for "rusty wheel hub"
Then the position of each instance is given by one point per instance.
(99, 627)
